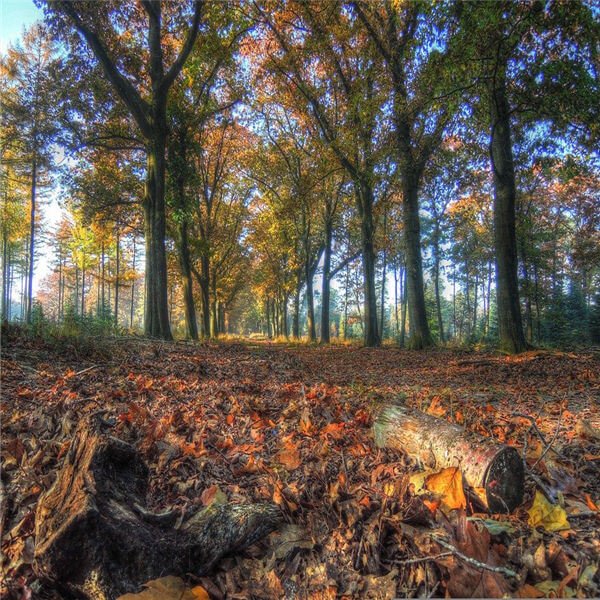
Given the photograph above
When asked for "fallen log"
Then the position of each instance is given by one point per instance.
(436, 443)
(95, 540)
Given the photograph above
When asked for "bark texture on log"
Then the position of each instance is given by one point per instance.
(94, 540)
(438, 444)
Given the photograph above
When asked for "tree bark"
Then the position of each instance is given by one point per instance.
(310, 304)
(510, 327)
(365, 201)
(296, 315)
(95, 540)
(5, 268)
(31, 240)
(326, 287)
(118, 261)
(420, 336)
(438, 444)
(191, 327)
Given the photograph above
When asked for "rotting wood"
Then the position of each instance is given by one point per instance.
(436, 443)
(94, 539)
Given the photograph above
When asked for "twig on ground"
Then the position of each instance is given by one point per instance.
(548, 446)
(472, 561)
(86, 370)
(415, 561)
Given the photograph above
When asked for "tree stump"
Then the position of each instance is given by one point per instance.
(484, 463)
(94, 540)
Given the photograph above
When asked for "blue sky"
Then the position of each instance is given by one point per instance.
(14, 15)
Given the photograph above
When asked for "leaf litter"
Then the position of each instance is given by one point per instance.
(235, 422)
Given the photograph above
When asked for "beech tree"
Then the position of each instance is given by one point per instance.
(99, 24)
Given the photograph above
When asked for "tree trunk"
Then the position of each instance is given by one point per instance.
(5, 268)
(214, 326)
(95, 540)
(132, 289)
(346, 302)
(436, 281)
(205, 295)
(510, 327)
(310, 304)
(118, 261)
(403, 310)
(438, 444)
(83, 288)
(420, 337)
(382, 314)
(157, 305)
(31, 240)
(365, 205)
(326, 288)
(296, 315)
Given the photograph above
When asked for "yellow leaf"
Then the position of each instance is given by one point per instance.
(449, 484)
(543, 514)
(168, 588)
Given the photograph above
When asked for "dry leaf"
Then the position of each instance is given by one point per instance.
(449, 484)
(168, 588)
(543, 514)
(290, 459)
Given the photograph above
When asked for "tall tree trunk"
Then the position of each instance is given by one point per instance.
(205, 295)
(268, 311)
(382, 314)
(117, 281)
(527, 289)
(436, 280)
(103, 280)
(420, 336)
(310, 304)
(475, 290)
(76, 303)
(4, 272)
(132, 289)
(396, 302)
(31, 239)
(286, 327)
(157, 305)
(191, 327)
(214, 326)
(404, 307)
(510, 327)
(346, 302)
(83, 287)
(365, 201)
(326, 287)
(296, 315)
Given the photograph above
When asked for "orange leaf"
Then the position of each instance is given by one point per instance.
(591, 504)
(230, 419)
(449, 484)
(290, 459)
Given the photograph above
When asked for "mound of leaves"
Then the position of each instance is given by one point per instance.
(255, 422)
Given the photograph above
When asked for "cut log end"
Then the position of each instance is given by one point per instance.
(503, 481)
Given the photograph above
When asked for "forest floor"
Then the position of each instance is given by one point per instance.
(259, 421)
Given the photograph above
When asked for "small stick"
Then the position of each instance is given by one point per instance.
(472, 561)
(414, 561)
(86, 370)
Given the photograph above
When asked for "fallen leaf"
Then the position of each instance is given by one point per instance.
(543, 514)
(290, 459)
(168, 588)
(449, 484)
